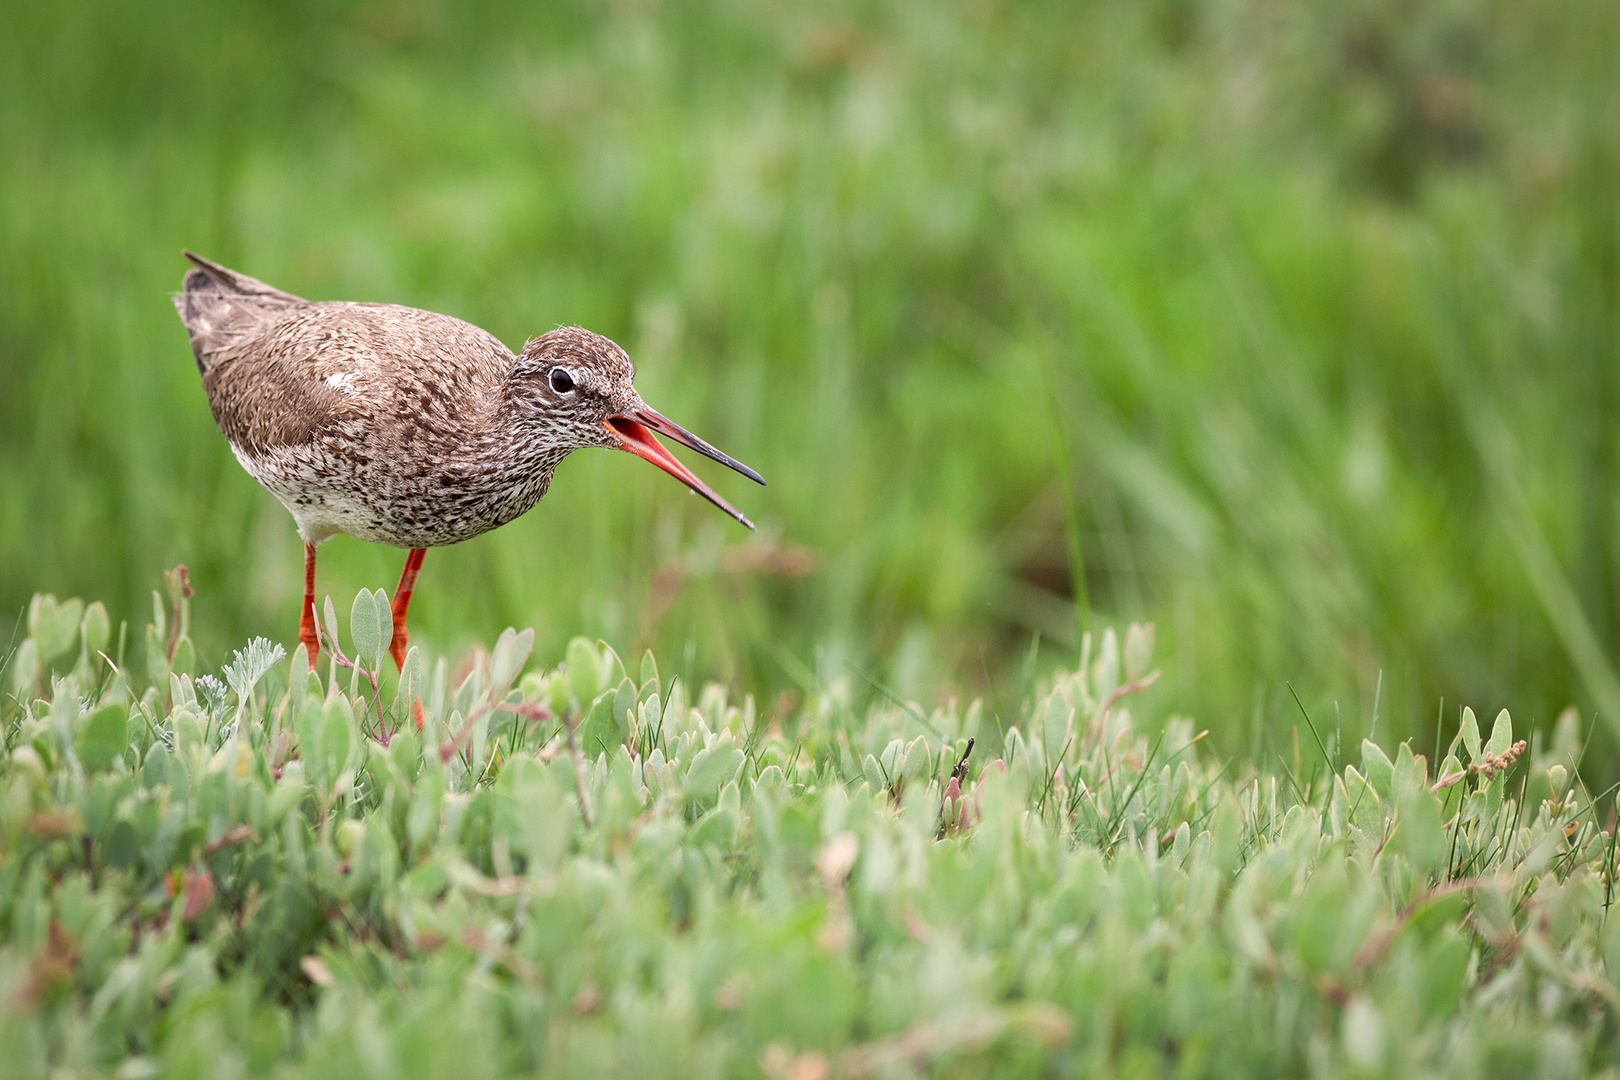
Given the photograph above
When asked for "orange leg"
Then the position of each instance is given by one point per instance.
(401, 641)
(306, 620)
(402, 601)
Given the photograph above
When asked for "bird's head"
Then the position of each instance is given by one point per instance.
(576, 389)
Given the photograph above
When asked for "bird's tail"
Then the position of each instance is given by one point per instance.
(219, 305)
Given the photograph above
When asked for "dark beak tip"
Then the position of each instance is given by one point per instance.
(651, 418)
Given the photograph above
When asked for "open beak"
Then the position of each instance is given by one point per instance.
(634, 430)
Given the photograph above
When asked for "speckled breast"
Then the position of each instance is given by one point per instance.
(329, 489)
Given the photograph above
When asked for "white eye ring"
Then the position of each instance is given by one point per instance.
(562, 380)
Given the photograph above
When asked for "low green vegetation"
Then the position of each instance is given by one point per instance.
(1288, 329)
(579, 866)
(1324, 294)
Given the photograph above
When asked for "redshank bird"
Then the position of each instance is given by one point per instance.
(406, 427)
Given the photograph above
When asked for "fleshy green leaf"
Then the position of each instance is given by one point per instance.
(337, 736)
(1470, 735)
(609, 668)
(122, 846)
(890, 759)
(1138, 650)
(1420, 832)
(1379, 769)
(103, 737)
(710, 769)
(649, 673)
(157, 663)
(582, 671)
(185, 656)
(511, 653)
(917, 761)
(95, 628)
(598, 733)
(25, 669)
(1501, 734)
(624, 709)
(410, 678)
(54, 626)
(371, 625)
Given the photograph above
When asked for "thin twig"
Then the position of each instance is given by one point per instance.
(957, 778)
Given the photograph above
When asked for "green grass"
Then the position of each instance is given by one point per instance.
(270, 872)
(1327, 296)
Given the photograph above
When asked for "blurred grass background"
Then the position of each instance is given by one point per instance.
(1320, 299)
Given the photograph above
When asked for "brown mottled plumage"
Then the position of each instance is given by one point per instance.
(406, 427)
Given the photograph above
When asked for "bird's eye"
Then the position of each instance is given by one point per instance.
(562, 381)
